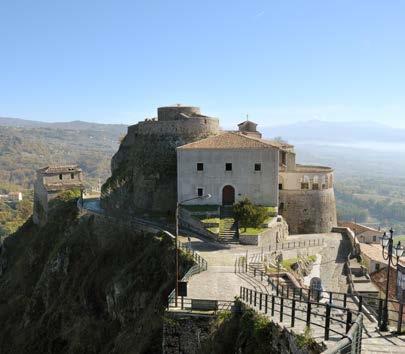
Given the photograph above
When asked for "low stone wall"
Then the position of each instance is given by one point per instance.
(277, 232)
(352, 237)
(184, 333)
(192, 223)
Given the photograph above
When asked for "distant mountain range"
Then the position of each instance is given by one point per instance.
(74, 125)
(322, 131)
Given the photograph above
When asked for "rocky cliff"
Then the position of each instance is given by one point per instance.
(144, 170)
(83, 285)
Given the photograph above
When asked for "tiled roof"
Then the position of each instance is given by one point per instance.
(358, 228)
(230, 140)
(373, 251)
(60, 169)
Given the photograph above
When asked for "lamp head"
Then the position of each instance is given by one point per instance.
(399, 250)
(384, 240)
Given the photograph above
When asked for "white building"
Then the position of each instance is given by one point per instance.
(229, 166)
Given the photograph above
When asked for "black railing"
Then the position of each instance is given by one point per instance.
(368, 305)
(290, 310)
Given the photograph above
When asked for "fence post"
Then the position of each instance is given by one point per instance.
(240, 294)
(300, 294)
(281, 308)
(266, 299)
(380, 306)
(251, 295)
(261, 276)
(272, 305)
(293, 313)
(327, 321)
(330, 297)
(344, 300)
(260, 301)
(308, 314)
(348, 321)
(360, 303)
(400, 312)
(255, 298)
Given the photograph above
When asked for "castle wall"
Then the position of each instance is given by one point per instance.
(192, 127)
(144, 170)
(308, 211)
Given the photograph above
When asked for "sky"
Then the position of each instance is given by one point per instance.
(277, 61)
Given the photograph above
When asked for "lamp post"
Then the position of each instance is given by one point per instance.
(206, 196)
(387, 244)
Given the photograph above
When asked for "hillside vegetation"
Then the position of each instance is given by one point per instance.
(83, 285)
(23, 150)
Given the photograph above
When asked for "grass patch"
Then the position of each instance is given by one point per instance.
(210, 220)
(200, 208)
(251, 230)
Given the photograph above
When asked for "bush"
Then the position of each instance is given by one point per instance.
(249, 215)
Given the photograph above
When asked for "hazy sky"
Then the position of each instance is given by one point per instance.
(280, 61)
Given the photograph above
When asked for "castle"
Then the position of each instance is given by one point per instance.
(148, 173)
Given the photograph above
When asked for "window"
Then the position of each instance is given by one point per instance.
(283, 158)
(304, 185)
(200, 192)
(72, 176)
(228, 166)
(377, 267)
(315, 186)
(280, 186)
(374, 238)
(200, 166)
(258, 166)
(60, 176)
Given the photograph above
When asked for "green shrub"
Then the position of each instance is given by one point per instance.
(248, 214)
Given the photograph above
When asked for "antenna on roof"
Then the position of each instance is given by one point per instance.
(247, 116)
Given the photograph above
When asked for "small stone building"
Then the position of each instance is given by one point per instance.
(50, 182)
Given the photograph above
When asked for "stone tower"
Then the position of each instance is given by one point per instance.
(50, 182)
(144, 170)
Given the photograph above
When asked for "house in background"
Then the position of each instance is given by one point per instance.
(363, 233)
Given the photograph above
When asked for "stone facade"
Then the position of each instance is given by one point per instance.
(50, 182)
(144, 172)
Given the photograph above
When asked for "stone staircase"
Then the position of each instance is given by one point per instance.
(229, 229)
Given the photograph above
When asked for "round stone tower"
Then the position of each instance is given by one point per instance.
(307, 199)
(144, 170)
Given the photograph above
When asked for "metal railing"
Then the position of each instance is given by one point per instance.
(361, 303)
(351, 342)
(331, 318)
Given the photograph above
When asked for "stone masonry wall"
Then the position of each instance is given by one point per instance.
(184, 333)
(309, 211)
(144, 170)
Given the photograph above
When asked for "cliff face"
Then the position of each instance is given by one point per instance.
(83, 285)
(144, 170)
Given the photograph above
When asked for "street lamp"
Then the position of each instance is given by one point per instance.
(206, 196)
(387, 244)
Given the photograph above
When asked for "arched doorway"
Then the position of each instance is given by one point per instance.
(228, 195)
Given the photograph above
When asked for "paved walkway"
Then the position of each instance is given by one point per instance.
(222, 282)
